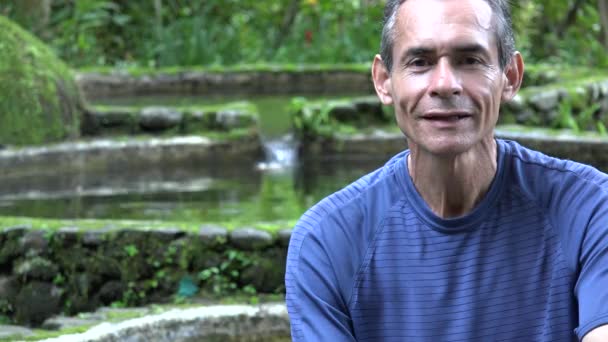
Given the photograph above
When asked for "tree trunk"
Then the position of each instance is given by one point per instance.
(603, 11)
(288, 19)
(570, 18)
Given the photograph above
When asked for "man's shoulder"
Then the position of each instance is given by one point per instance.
(563, 190)
(369, 195)
(537, 167)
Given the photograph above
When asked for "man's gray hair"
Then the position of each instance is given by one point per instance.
(503, 32)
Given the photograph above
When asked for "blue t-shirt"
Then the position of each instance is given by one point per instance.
(372, 262)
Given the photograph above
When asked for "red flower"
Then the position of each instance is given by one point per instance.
(308, 36)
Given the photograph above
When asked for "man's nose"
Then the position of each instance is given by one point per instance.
(444, 81)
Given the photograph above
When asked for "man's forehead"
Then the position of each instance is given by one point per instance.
(416, 15)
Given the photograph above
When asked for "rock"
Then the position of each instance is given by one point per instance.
(115, 118)
(369, 106)
(603, 86)
(14, 232)
(36, 302)
(159, 118)
(63, 322)
(250, 238)
(10, 247)
(66, 236)
(93, 238)
(284, 236)
(229, 119)
(9, 288)
(212, 235)
(14, 331)
(36, 268)
(345, 113)
(546, 100)
(516, 104)
(594, 91)
(41, 102)
(111, 292)
(34, 243)
(165, 235)
(266, 273)
(527, 117)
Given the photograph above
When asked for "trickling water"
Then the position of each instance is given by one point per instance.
(280, 154)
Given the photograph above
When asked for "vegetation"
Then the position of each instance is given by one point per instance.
(40, 99)
(165, 33)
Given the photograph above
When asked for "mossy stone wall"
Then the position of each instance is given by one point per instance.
(40, 101)
(73, 270)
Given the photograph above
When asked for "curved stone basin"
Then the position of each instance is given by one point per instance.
(226, 323)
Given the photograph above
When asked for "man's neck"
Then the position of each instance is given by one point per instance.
(453, 186)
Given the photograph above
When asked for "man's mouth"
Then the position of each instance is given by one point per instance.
(446, 116)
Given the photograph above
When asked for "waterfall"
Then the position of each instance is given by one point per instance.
(280, 154)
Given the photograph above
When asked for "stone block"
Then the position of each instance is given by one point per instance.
(250, 239)
(546, 100)
(36, 268)
(159, 118)
(284, 236)
(36, 302)
(34, 242)
(212, 235)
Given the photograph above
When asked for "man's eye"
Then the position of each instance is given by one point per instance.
(471, 61)
(419, 62)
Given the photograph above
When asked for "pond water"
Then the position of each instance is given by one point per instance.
(200, 193)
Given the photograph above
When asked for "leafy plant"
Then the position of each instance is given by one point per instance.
(224, 278)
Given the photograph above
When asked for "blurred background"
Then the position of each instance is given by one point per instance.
(164, 33)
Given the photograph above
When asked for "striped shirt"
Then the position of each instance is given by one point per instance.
(372, 262)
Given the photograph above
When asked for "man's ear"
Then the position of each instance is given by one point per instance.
(514, 73)
(382, 81)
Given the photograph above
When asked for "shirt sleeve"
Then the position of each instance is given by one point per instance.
(592, 285)
(317, 310)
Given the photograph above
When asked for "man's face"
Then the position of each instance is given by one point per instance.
(446, 83)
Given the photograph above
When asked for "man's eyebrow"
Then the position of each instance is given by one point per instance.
(471, 48)
(416, 52)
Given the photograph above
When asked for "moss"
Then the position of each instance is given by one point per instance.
(116, 225)
(40, 99)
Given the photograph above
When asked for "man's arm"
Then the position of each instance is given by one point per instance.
(599, 334)
(317, 310)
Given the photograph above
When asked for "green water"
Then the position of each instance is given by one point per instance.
(241, 194)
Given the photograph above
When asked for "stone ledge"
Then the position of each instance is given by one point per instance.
(96, 85)
(588, 149)
(229, 322)
(102, 153)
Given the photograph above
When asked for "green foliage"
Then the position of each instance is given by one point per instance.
(226, 32)
(224, 279)
(580, 120)
(545, 36)
(131, 250)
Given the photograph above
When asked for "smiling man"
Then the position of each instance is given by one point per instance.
(463, 237)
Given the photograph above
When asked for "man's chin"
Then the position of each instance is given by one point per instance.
(446, 148)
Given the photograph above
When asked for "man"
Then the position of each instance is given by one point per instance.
(462, 237)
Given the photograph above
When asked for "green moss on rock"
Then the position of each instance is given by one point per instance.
(40, 99)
